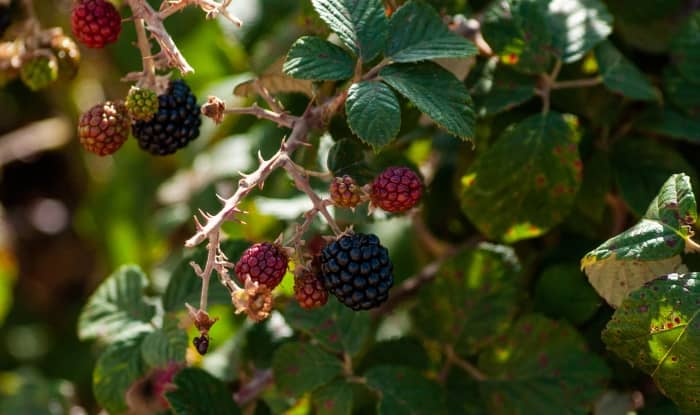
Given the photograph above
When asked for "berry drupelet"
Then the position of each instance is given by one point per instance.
(174, 125)
(356, 269)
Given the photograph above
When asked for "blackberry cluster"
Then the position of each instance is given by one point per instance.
(357, 270)
(175, 124)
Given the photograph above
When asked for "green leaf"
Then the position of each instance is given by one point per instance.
(519, 33)
(683, 94)
(621, 76)
(500, 88)
(417, 32)
(348, 156)
(373, 113)
(117, 310)
(436, 92)
(650, 248)
(404, 390)
(541, 367)
(197, 392)
(641, 166)
(525, 183)
(334, 398)
(402, 351)
(165, 345)
(302, 367)
(577, 26)
(597, 181)
(475, 295)
(360, 24)
(334, 326)
(319, 60)
(116, 369)
(562, 291)
(657, 329)
(185, 286)
(670, 123)
(685, 49)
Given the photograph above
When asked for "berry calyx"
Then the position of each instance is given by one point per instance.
(309, 291)
(174, 125)
(396, 189)
(142, 104)
(104, 128)
(345, 192)
(356, 269)
(39, 72)
(96, 23)
(265, 263)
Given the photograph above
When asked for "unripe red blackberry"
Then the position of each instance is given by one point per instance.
(396, 189)
(265, 263)
(356, 269)
(67, 55)
(142, 104)
(39, 71)
(104, 128)
(174, 125)
(309, 291)
(345, 192)
(96, 23)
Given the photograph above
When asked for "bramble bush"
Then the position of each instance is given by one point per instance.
(469, 207)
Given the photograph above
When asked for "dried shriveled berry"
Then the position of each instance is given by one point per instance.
(396, 189)
(265, 263)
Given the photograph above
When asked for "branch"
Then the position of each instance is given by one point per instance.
(148, 78)
(577, 83)
(210, 7)
(466, 366)
(282, 119)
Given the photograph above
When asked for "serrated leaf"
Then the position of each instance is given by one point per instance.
(185, 286)
(641, 166)
(116, 369)
(685, 48)
(197, 392)
(526, 182)
(657, 329)
(373, 113)
(417, 32)
(650, 248)
(500, 88)
(360, 24)
(621, 76)
(670, 123)
(165, 345)
(436, 92)
(333, 326)
(683, 94)
(541, 367)
(316, 59)
(334, 398)
(562, 291)
(475, 293)
(392, 384)
(117, 310)
(302, 367)
(577, 26)
(519, 33)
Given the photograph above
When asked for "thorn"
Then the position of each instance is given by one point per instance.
(204, 214)
(221, 198)
(197, 224)
(260, 157)
(243, 175)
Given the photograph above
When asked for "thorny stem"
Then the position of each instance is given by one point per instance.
(466, 366)
(206, 274)
(210, 7)
(149, 67)
(282, 119)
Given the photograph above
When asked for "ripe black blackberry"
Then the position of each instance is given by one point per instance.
(356, 269)
(175, 124)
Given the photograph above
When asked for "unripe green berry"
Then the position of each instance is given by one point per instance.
(141, 103)
(39, 72)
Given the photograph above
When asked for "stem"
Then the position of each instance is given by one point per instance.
(257, 385)
(466, 366)
(149, 68)
(208, 268)
(282, 119)
(692, 246)
(577, 83)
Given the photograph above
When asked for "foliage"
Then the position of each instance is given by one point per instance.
(549, 268)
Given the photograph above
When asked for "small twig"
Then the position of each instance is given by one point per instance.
(545, 87)
(275, 105)
(577, 83)
(619, 212)
(466, 366)
(282, 119)
(252, 389)
(149, 69)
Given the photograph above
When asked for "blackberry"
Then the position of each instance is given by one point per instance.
(265, 263)
(396, 189)
(309, 291)
(345, 192)
(96, 23)
(175, 124)
(357, 270)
